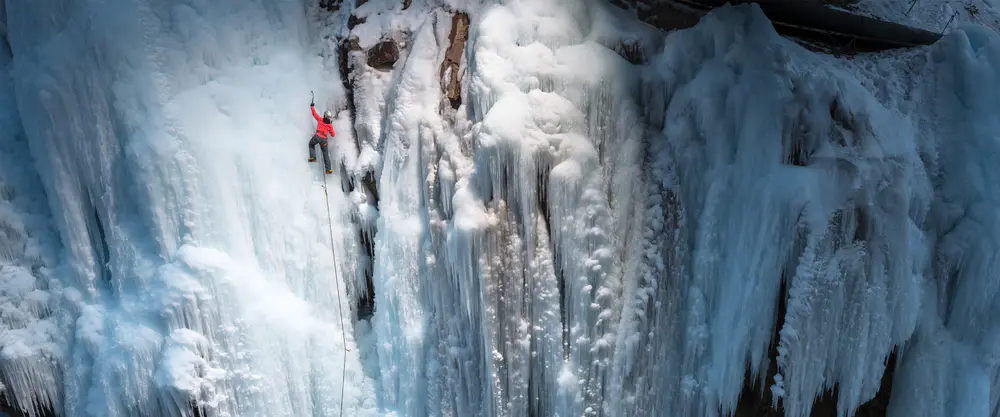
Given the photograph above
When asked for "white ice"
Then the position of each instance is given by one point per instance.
(674, 207)
(584, 236)
(196, 266)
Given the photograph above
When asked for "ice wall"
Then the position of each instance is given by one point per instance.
(31, 339)
(169, 138)
(618, 222)
(951, 366)
(612, 222)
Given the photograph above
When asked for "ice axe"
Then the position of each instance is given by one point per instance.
(312, 99)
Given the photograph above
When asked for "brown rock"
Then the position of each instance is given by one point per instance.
(383, 55)
(453, 58)
(354, 21)
(331, 5)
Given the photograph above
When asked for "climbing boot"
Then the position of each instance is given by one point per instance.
(329, 171)
(312, 159)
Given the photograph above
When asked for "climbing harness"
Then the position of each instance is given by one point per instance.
(340, 311)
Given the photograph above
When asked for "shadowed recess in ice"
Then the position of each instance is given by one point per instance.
(585, 235)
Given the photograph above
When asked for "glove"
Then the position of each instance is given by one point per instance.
(312, 104)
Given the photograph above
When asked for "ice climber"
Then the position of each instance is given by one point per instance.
(324, 128)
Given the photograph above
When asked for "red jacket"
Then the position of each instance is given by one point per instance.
(322, 128)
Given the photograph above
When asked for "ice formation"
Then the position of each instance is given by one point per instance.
(602, 220)
(195, 267)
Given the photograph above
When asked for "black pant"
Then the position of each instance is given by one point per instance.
(322, 146)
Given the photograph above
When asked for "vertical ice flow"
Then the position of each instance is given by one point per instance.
(170, 139)
(31, 338)
(585, 236)
(951, 366)
(736, 207)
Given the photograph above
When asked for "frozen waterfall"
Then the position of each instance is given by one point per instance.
(195, 266)
(556, 210)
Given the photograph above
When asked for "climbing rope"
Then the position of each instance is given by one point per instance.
(340, 311)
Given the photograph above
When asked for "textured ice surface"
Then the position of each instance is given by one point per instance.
(735, 194)
(584, 236)
(170, 140)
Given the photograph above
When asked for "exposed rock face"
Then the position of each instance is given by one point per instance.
(451, 76)
(331, 5)
(808, 21)
(660, 13)
(354, 21)
(383, 55)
